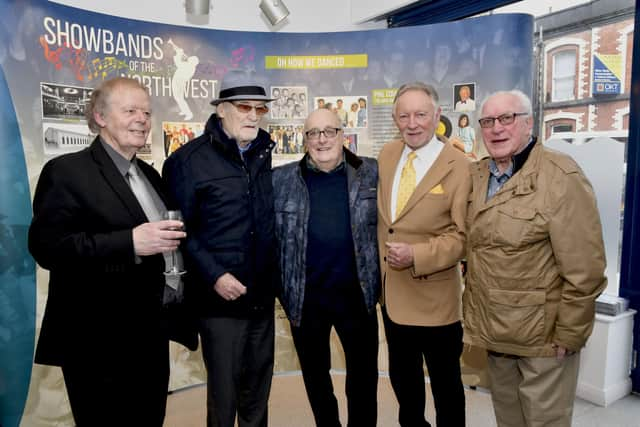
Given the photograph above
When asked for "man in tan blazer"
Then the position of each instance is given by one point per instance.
(422, 194)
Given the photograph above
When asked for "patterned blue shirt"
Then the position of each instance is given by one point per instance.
(497, 179)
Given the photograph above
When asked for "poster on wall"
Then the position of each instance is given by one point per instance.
(52, 57)
(607, 70)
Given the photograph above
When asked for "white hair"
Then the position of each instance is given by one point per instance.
(523, 100)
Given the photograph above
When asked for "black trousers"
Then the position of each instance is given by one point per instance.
(238, 355)
(132, 392)
(358, 333)
(441, 348)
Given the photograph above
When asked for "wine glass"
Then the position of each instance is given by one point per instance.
(174, 265)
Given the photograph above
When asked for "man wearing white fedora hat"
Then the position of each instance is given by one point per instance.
(222, 183)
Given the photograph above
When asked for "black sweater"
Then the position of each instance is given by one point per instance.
(332, 277)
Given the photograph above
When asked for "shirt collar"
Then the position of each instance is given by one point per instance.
(245, 148)
(432, 147)
(493, 169)
(120, 161)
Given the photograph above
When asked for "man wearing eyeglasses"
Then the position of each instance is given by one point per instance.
(222, 183)
(326, 228)
(535, 267)
(422, 203)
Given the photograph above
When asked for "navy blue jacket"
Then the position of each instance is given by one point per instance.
(227, 205)
(292, 217)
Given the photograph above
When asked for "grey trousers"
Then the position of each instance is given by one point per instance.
(238, 355)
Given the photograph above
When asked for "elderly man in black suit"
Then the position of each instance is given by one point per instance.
(103, 239)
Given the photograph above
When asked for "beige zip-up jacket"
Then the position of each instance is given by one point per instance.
(535, 258)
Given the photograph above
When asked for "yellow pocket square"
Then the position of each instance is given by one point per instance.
(437, 189)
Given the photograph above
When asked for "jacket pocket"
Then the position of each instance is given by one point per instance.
(516, 317)
(450, 273)
(517, 225)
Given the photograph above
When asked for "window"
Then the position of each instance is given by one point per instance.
(562, 128)
(564, 75)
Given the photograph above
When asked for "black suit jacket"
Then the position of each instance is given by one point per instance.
(100, 301)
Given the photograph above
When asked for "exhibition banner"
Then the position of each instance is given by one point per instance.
(52, 56)
(17, 269)
(57, 54)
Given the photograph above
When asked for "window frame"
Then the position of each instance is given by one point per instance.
(569, 76)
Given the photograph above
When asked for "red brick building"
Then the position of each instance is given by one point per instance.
(584, 70)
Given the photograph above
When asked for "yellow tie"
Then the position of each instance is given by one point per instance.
(407, 183)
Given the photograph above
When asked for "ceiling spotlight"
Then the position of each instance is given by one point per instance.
(274, 10)
(197, 7)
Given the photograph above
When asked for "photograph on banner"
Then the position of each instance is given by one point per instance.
(177, 134)
(351, 142)
(460, 128)
(352, 110)
(289, 138)
(290, 102)
(464, 97)
(60, 138)
(64, 102)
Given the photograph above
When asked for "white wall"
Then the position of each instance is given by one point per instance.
(306, 15)
(365, 10)
(243, 15)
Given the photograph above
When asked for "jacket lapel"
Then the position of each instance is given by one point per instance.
(353, 184)
(352, 165)
(386, 171)
(480, 178)
(116, 181)
(434, 176)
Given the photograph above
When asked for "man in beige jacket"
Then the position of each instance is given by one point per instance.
(423, 190)
(535, 267)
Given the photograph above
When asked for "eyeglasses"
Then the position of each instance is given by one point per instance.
(261, 110)
(314, 134)
(504, 119)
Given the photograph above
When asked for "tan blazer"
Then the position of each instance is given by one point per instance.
(433, 221)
